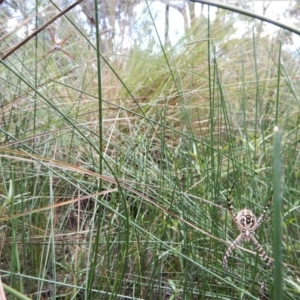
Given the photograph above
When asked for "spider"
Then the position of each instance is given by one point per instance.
(58, 45)
(247, 224)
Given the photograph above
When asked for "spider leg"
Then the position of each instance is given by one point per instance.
(52, 36)
(231, 248)
(263, 216)
(261, 251)
(67, 53)
(63, 42)
(50, 51)
(230, 207)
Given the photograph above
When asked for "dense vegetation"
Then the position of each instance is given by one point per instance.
(116, 160)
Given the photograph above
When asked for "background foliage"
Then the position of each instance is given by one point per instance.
(115, 165)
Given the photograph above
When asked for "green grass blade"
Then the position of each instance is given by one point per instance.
(277, 218)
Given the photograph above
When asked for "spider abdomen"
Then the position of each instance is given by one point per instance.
(246, 220)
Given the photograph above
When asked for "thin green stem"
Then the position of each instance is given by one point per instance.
(277, 218)
(249, 14)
